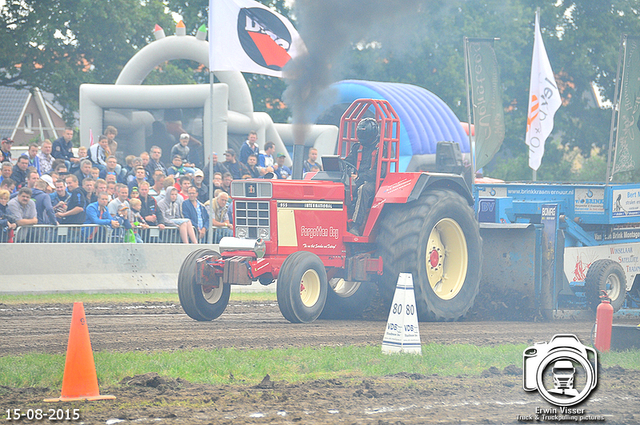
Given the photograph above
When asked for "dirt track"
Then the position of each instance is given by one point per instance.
(496, 397)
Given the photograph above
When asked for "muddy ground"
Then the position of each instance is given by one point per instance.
(407, 398)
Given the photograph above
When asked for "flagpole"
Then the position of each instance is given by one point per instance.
(534, 173)
(614, 108)
(466, 81)
(210, 156)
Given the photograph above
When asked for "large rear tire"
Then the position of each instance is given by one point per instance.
(437, 239)
(347, 300)
(605, 275)
(302, 287)
(202, 303)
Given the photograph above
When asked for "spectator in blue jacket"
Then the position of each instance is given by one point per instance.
(63, 148)
(44, 208)
(98, 213)
(196, 212)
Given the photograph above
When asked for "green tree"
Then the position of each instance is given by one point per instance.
(582, 40)
(57, 45)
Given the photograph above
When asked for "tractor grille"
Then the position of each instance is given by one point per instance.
(252, 219)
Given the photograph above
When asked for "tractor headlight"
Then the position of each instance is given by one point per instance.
(241, 232)
(263, 233)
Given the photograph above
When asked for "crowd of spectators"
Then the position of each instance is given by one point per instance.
(51, 185)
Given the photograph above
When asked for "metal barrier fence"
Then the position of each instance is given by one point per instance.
(93, 233)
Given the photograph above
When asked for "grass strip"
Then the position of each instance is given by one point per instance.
(119, 298)
(291, 364)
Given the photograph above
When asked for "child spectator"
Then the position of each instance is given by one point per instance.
(176, 169)
(7, 221)
(138, 221)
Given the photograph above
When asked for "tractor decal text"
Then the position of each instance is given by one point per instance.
(402, 184)
(319, 231)
(310, 205)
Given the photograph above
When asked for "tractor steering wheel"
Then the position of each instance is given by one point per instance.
(347, 170)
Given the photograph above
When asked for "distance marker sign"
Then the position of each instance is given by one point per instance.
(402, 334)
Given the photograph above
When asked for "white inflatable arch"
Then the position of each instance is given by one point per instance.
(232, 103)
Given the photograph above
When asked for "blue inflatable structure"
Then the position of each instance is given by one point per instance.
(425, 119)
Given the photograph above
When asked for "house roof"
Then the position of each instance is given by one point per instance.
(11, 104)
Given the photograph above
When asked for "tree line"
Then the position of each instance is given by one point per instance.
(57, 45)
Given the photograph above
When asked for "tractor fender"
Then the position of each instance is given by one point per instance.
(403, 188)
(452, 182)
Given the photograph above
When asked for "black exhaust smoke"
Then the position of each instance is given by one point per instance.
(328, 28)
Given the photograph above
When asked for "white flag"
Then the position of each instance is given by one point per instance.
(247, 36)
(544, 101)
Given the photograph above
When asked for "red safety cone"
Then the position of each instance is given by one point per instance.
(80, 381)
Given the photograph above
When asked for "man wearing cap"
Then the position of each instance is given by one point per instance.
(63, 147)
(51, 186)
(249, 147)
(198, 183)
(237, 169)
(283, 172)
(7, 143)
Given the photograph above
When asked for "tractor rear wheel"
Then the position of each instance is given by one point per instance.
(200, 302)
(605, 275)
(437, 239)
(302, 287)
(347, 300)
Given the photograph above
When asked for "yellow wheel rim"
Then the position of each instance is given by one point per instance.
(447, 259)
(344, 288)
(212, 294)
(310, 288)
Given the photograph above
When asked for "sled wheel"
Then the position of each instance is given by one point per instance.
(302, 287)
(347, 300)
(437, 239)
(605, 275)
(202, 303)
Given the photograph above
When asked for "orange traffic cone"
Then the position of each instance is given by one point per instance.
(80, 381)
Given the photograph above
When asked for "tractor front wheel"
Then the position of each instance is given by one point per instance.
(200, 302)
(437, 239)
(302, 287)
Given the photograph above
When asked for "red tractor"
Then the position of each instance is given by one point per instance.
(295, 231)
